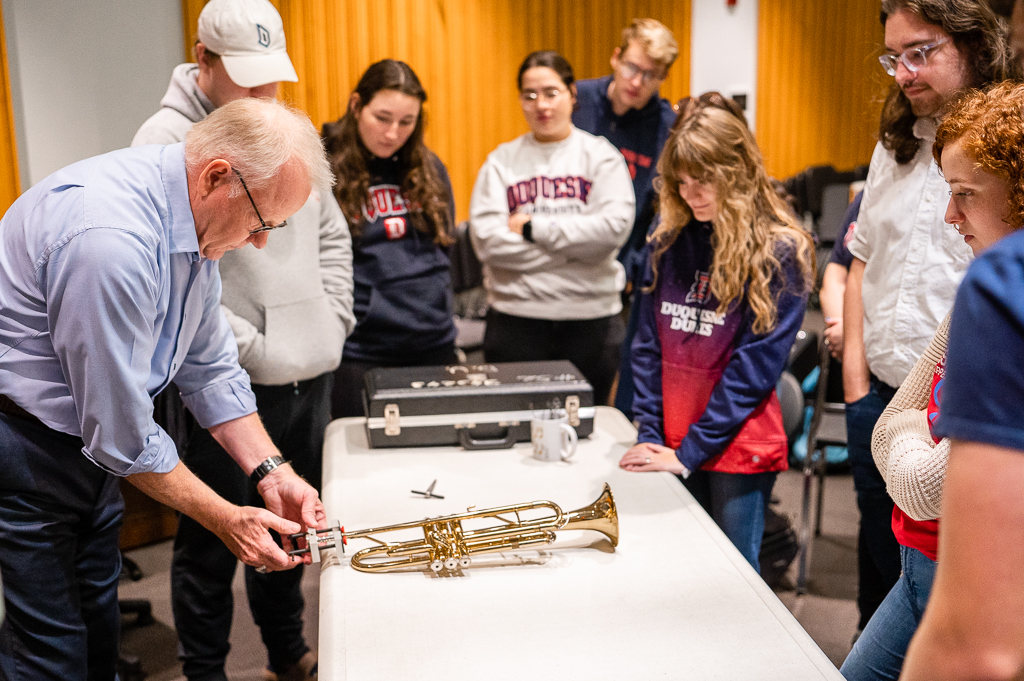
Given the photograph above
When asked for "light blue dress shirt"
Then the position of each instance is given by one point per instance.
(104, 299)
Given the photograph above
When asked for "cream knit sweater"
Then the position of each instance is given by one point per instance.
(912, 465)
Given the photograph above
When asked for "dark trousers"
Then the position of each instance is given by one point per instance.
(581, 341)
(878, 552)
(202, 568)
(60, 519)
(347, 395)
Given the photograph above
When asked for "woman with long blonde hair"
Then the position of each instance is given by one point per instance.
(727, 284)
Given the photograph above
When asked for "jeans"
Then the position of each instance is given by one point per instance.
(202, 567)
(878, 553)
(60, 520)
(879, 652)
(509, 338)
(737, 503)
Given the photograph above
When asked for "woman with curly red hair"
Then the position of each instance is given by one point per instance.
(977, 147)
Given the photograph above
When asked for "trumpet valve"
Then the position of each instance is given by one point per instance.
(436, 565)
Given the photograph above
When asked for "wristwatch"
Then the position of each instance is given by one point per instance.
(528, 230)
(263, 470)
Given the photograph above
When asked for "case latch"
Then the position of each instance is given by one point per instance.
(391, 425)
(572, 409)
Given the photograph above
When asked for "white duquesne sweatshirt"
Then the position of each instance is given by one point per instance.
(580, 197)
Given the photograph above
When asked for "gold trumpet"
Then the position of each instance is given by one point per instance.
(446, 545)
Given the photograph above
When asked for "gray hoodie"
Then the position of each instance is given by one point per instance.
(183, 104)
(289, 304)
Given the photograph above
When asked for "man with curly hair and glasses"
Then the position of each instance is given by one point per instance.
(625, 109)
(907, 262)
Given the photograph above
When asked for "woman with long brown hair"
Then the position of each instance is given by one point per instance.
(727, 284)
(397, 198)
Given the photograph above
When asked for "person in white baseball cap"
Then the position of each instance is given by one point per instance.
(248, 35)
(240, 52)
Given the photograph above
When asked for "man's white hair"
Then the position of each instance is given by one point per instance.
(257, 137)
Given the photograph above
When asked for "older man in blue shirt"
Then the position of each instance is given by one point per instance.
(109, 289)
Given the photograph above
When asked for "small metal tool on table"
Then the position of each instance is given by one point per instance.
(429, 494)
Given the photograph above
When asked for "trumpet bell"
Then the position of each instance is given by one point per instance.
(601, 516)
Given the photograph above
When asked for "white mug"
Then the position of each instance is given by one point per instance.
(552, 437)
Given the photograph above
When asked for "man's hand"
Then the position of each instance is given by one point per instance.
(245, 534)
(284, 492)
(834, 337)
(292, 498)
(243, 529)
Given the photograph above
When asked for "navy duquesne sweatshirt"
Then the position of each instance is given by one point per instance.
(639, 135)
(402, 297)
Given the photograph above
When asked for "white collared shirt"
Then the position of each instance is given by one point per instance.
(914, 260)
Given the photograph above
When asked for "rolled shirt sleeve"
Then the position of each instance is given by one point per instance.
(213, 386)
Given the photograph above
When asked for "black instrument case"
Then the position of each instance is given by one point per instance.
(479, 406)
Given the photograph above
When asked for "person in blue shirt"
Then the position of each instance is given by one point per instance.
(625, 109)
(109, 289)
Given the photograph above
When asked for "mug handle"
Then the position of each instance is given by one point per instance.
(568, 432)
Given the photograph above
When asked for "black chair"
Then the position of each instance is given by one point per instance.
(828, 428)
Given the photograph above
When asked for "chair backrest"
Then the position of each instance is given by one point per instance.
(791, 399)
(828, 424)
(467, 272)
(834, 201)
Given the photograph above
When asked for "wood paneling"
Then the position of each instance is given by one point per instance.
(10, 178)
(466, 53)
(819, 84)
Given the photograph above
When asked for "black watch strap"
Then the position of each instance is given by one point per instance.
(528, 230)
(263, 470)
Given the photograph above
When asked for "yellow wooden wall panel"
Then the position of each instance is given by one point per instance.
(819, 84)
(10, 178)
(466, 53)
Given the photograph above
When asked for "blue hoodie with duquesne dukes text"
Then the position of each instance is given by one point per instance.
(403, 297)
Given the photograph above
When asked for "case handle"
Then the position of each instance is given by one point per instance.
(467, 440)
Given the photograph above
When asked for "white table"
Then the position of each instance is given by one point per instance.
(674, 600)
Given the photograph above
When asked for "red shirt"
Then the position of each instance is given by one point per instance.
(922, 535)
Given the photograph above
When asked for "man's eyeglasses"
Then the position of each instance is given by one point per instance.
(265, 227)
(531, 97)
(915, 58)
(629, 71)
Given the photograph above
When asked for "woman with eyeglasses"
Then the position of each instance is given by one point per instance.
(728, 276)
(977, 149)
(549, 211)
(397, 198)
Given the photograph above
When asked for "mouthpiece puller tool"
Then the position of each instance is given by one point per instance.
(332, 537)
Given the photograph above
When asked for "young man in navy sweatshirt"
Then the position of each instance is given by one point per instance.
(625, 109)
